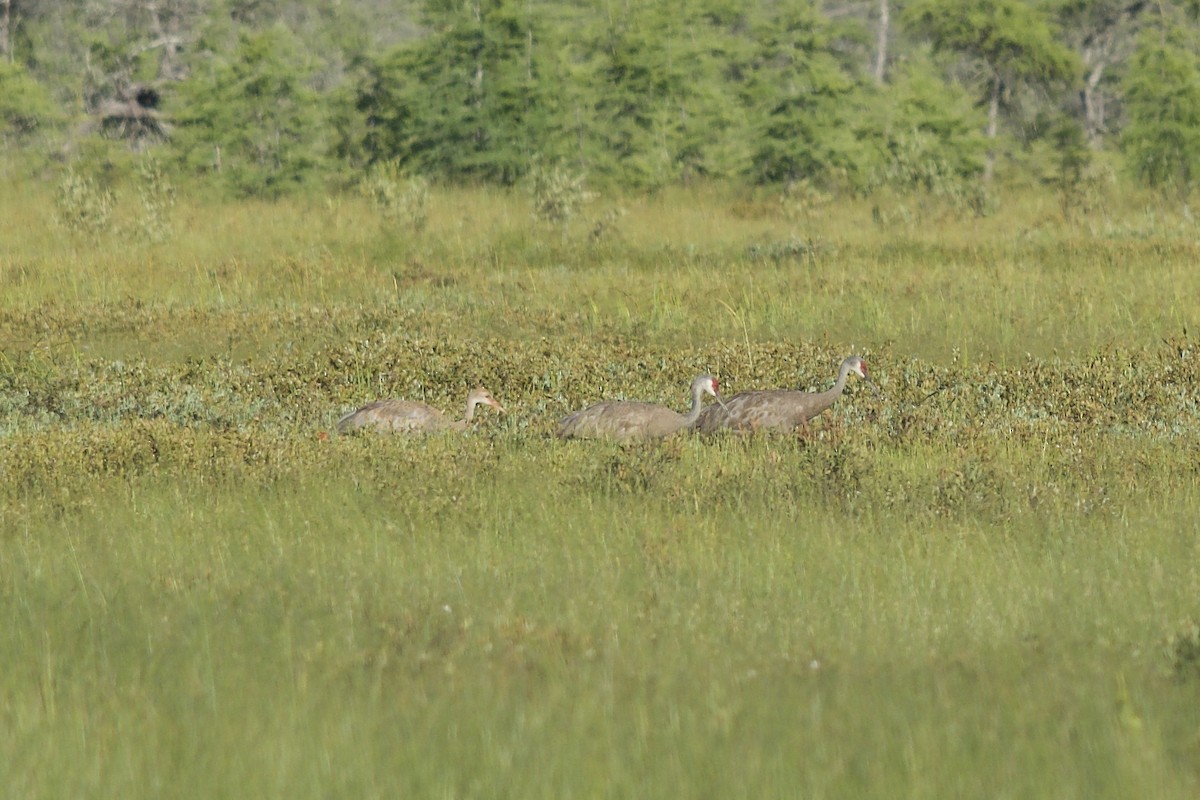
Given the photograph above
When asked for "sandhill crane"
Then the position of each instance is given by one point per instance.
(407, 416)
(626, 420)
(778, 409)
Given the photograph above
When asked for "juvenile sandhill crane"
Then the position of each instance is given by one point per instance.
(626, 420)
(779, 409)
(407, 416)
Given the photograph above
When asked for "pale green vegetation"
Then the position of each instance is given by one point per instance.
(983, 584)
(686, 268)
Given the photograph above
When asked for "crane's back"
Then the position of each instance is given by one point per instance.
(621, 420)
(773, 409)
(393, 416)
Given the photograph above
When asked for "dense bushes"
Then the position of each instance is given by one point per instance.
(264, 100)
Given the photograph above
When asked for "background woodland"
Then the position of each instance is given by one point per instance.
(265, 98)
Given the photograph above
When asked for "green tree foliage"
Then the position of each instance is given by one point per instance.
(662, 92)
(25, 106)
(928, 134)
(473, 100)
(804, 101)
(29, 122)
(1013, 42)
(631, 94)
(251, 119)
(1103, 33)
(1162, 139)
(1012, 39)
(1070, 175)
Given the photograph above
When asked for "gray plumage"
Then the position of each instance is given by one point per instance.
(407, 416)
(779, 409)
(626, 420)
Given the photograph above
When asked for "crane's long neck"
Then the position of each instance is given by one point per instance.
(823, 400)
(470, 414)
(843, 373)
(694, 412)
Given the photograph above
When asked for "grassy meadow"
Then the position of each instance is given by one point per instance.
(983, 583)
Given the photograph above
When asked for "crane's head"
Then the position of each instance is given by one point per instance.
(859, 368)
(707, 384)
(481, 396)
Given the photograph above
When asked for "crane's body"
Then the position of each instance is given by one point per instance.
(777, 409)
(408, 416)
(626, 420)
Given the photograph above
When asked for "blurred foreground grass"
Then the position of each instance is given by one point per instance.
(421, 619)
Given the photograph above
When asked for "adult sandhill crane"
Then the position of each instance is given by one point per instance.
(778, 409)
(626, 420)
(407, 416)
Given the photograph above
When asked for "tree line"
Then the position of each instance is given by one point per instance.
(267, 97)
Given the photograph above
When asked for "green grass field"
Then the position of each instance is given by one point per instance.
(984, 583)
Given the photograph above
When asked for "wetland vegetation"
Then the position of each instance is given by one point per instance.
(982, 583)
